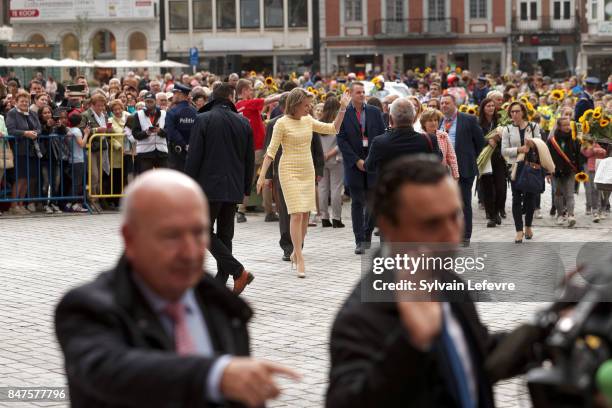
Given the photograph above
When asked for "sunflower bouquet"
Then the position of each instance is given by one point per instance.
(546, 117)
(596, 124)
(469, 109)
(484, 158)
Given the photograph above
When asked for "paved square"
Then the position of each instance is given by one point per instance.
(41, 257)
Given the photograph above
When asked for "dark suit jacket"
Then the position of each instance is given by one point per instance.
(469, 141)
(351, 145)
(584, 103)
(373, 362)
(399, 142)
(16, 124)
(117, 353)
(221, 156)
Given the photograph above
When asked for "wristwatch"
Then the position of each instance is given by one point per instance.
(178, 148)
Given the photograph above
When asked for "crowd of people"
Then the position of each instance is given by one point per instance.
(57, 129)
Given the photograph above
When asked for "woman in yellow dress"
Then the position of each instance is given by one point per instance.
(296, 170)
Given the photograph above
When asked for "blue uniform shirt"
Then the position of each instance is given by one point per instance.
(179, 121)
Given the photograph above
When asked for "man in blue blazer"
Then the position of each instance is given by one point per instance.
(361, 124)
(466, 136)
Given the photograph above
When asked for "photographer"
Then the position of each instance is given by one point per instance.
(146, 129)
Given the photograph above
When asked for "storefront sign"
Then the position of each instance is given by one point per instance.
(41, 10)
(545, 39)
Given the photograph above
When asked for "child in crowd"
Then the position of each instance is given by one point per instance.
(77, 142)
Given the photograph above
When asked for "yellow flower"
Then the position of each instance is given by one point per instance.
(463, 108)
(582, 177)
(253, 74)
(269, 81)
(558, 94)
(323, 97)
(604, 122)
(417, 70)
(427, 70)
(343, 88)
(530, 107)
(588, 112)
(315, 92)
(310, 89)
(524, 99)
(471, 110)
(458, 70)
(596, 115)
(585, 127)
(573, 126)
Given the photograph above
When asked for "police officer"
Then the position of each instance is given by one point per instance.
(179, 121)
(585, 101)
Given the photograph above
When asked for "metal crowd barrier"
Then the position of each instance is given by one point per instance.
(50, 173)
(97, 161)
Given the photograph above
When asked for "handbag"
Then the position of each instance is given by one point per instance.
(7, 161)
(530, 178)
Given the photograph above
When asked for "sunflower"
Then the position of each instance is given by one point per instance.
(463, 108)
(524, 99)
(323, 97)
(427, 70)
(558, 94)
(269, 81)
(458, 70)
(582, 177)
(417, 70)
(585, 127)
(315, 92)
(310, 89)
(253, 74)
(587, 113)
(530, 107)
(471, 110)
(597, 115)
(505, 105)
(603, 122)
(573, 126)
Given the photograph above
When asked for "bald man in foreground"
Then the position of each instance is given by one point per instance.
(157, 331)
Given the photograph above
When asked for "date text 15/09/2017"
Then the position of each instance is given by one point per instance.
(437, 286)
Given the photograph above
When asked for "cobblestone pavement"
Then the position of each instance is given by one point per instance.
(41, 257)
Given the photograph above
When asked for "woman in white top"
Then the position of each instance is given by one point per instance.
(516, 140)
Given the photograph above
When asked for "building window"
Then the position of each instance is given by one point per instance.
(395, 10)
(202, 14)
(594, 6)
(226, 14)
(104, 45)
(478, 8)
(298, 13)
(529, 10)
(137, 46)
(562, 10)
(249, 13)
(273, 11)
(352, 11)
(178, 15)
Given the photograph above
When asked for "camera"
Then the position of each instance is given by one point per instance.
(579, 341)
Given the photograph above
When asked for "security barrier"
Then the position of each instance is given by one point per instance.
(42, 170)
(105, 151)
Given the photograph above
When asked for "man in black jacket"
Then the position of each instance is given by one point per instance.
(398, 353)
(272, 176)
(220, 159)
(401, 139)
(157, 331)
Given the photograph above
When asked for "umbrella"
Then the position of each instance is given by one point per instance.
(170, 64)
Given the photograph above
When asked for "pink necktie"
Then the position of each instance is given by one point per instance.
(182, 338)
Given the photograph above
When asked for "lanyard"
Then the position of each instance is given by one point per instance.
(361, 119)
(448, 123)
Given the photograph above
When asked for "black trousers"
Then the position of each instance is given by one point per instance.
(284, 219)
(520, 200)
(465, 185)
(222, 214)
(176, 161)
(150, 162)
(494, 188)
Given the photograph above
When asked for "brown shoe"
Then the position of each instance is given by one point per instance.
(241, 283)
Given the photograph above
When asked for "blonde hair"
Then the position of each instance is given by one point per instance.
(430, 114)
(417, 105)
(296, 97)
(115, 103)
(97, 97)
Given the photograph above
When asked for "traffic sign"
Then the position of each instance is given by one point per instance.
(194, 57)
